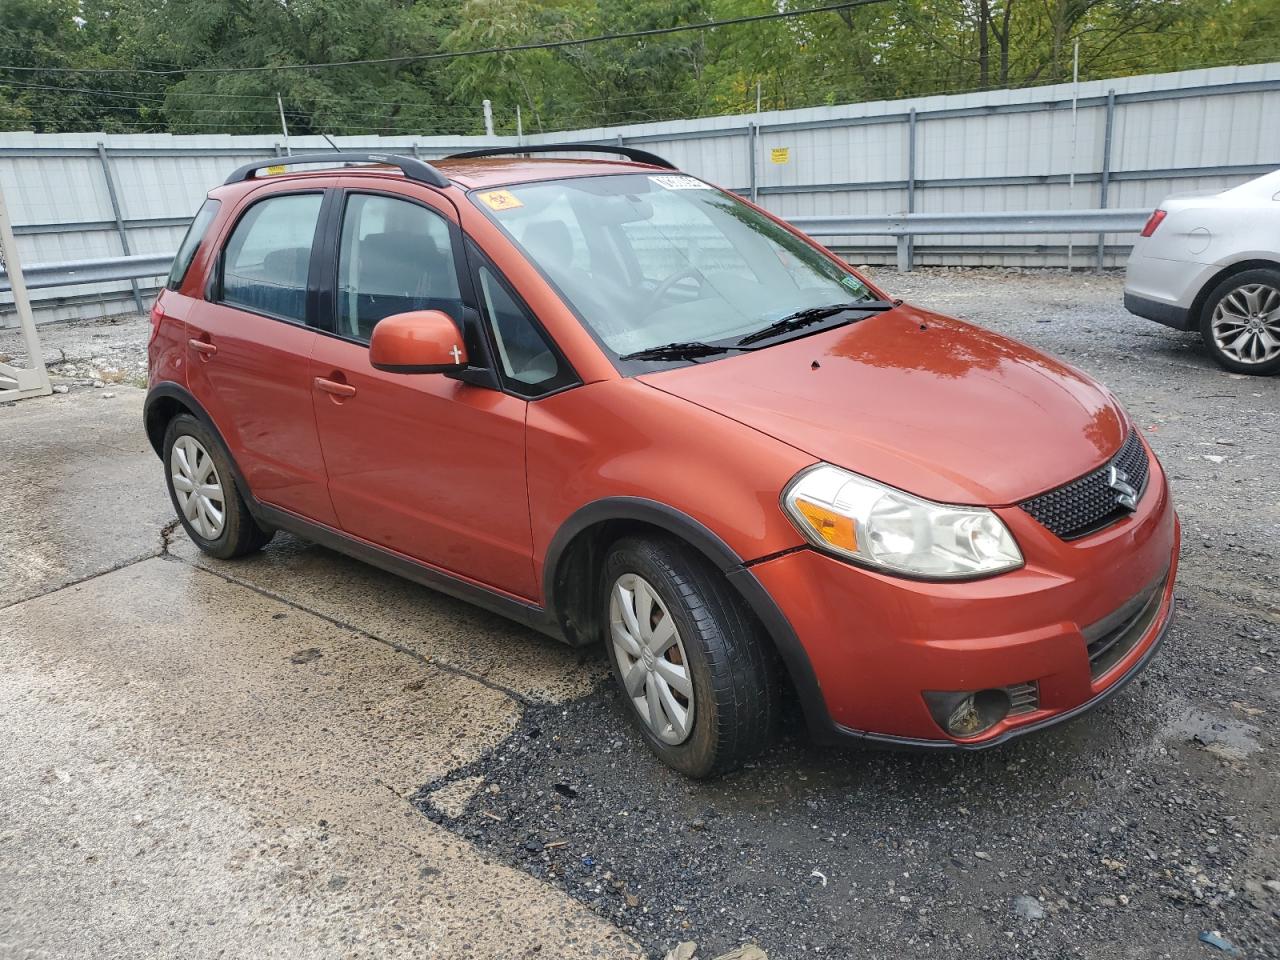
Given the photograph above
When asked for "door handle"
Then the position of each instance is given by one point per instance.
(335, 388)
(203, 347)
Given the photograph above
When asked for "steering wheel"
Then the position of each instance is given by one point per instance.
(663, 288)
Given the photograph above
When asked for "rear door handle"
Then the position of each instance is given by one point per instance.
(335, 388)
(202, 346)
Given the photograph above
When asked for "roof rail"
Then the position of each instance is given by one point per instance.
(640, 156)
(413, 168)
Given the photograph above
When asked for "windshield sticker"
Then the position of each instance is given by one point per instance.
(679, 183)
(853, 283)
(500, 200)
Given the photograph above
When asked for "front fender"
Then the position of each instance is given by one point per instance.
(622, 453)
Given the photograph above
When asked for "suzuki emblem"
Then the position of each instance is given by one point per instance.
(1118, 481)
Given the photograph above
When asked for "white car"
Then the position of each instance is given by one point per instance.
(1212, 264)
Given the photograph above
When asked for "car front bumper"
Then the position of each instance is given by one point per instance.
(876, 643)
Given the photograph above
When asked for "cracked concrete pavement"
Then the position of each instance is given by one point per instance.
(207, 759)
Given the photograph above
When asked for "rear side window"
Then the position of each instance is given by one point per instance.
(191, 243)
(267, 259)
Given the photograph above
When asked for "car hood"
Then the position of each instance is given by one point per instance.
(923, 402)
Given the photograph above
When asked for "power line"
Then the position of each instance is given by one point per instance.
(421, 57)
(161, 95)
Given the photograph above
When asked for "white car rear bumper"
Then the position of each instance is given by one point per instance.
(1165, 290)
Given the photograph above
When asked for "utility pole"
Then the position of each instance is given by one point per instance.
(284, 127)
(488, 117)
(519, 128)
(1071, 174)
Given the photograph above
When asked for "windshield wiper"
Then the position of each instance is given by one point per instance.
(804, 318)
(677, 351)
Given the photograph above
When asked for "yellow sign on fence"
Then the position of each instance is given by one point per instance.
(780, 154)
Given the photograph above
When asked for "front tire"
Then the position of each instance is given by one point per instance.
(1240, 323)
(695, 670)
(203, 490)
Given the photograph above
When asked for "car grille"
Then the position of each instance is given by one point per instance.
(1090, 503)
(1111, 638)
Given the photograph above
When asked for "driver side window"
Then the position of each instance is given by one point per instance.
(395, 256)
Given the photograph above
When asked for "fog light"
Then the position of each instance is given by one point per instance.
(965, 714)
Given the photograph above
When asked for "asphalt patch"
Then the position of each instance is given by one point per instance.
(1097, 833)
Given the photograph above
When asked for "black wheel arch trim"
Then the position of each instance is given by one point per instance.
(736, 571)
(168, 390)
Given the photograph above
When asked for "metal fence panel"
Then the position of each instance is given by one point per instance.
(1001, 150)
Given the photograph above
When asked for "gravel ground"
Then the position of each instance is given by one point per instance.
(88, 353)
(1133, 832)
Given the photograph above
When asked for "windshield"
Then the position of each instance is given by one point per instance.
(649, 259)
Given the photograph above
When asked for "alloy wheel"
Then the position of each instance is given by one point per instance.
(1246, 323)
(651, 659)
(197, 487)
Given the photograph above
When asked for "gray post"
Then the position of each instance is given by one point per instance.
(906, 252)
(109, 175)
(488, 117)
(19, 382)
(1106, 171)
(753, 134)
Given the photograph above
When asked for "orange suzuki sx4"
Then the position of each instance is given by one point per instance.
(625, 407)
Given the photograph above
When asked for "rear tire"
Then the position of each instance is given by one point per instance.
(1240, 322)
(709, 663)
(203, 490)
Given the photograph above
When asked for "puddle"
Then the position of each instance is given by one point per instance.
(1223, 737)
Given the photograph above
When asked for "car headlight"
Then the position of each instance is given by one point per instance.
(880, 526)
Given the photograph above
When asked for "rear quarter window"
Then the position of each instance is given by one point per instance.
(191, 243)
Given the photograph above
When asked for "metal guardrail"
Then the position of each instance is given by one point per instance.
(71, 273)
(904, 226)
(934, 224)
(900, 225)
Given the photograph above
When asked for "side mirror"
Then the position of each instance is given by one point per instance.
(421, 341)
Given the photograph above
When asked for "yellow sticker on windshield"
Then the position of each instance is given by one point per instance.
(500, 200)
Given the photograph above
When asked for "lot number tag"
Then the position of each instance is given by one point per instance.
(679, 183)
(500, 200)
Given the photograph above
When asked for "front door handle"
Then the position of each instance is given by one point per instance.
(203, 347)
(335, 388)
